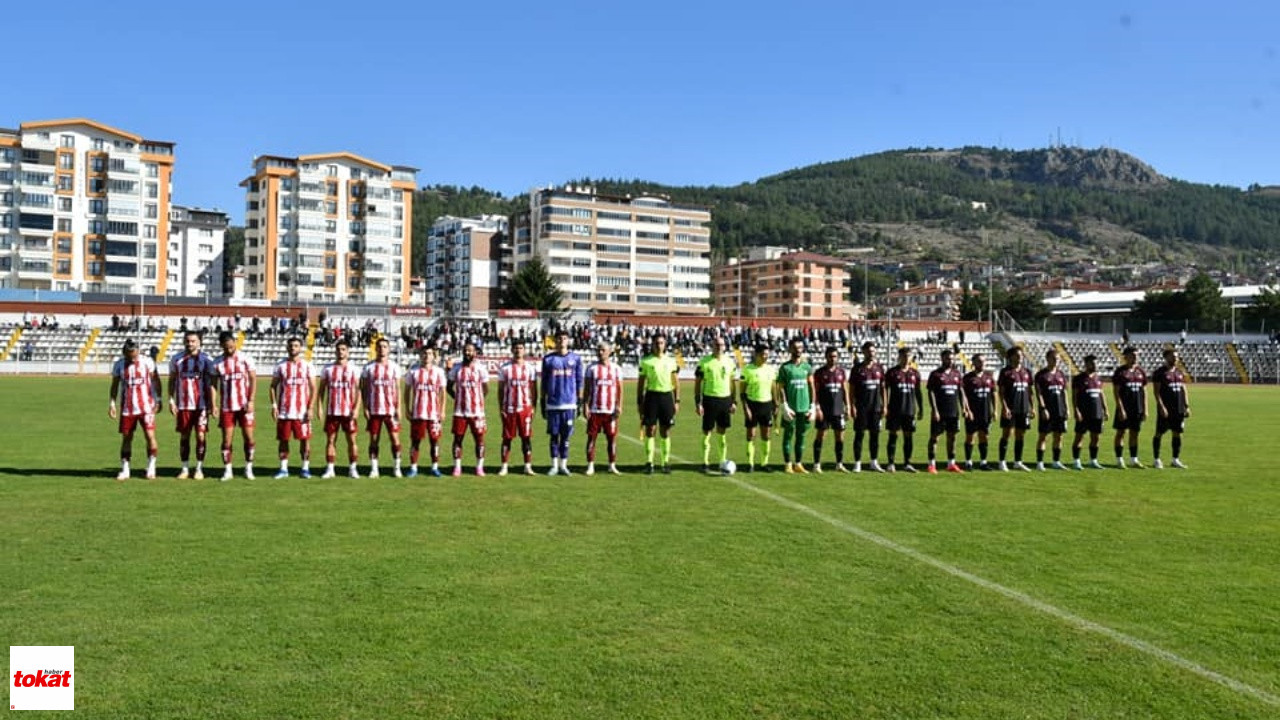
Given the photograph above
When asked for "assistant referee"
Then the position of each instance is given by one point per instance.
(658, 397)
(713, 397)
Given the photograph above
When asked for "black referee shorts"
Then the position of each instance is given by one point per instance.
(659, 409)
(715, 413)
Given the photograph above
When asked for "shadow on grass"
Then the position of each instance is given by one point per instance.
(106, 472)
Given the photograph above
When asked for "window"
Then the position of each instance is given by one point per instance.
(331, 170)
(64, 267)
(66, 161)
(98, 164)
(153, 170)
(149, 272)
(67, 141)
(99, 144)
(207, 249)
(149, 231)
(97, 185)
(95, 247)
(64, 204)
(153, 190)
(64, 245)
(65, 182)
(95, 267)
(149, 251)
(286, 184)
(152, 211)
(6, 198)
(6, 220)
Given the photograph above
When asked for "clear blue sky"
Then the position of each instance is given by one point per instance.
(513, 95)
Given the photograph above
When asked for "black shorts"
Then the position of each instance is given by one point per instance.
(1171, 423)
(1132, 422)
(906, 423)
(1089, 426)
(1018, 422)
(831, 421)
(715, 413)
(978, 424)
(1053, 425)
(868, 419)
(761, 414)
(659, 409)
(944, 425)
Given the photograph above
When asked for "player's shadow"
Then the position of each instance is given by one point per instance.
(107, 472)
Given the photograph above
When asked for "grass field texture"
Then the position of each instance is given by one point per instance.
(684, 596)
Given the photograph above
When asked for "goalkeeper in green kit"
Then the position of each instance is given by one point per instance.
(795, 392)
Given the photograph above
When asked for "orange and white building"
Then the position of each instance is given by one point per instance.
(771, 282)
(931, 301)
(331, 227)
(84, 206)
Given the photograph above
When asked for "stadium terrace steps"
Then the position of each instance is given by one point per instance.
(311, 340)
(89, 342)
(1065, 356)
(1234, 354)
(164, 344)
(13, 343)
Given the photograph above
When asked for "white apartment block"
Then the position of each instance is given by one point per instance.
(196, 241)
(333, 227)
(83, 206)
(468, 262)
(637, 255)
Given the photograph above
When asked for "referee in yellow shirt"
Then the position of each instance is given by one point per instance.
(658, 398)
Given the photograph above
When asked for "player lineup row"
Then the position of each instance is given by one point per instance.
(828, 398)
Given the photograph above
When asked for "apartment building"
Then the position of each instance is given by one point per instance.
(620, 254)
(196, 241)
(773, 282)
(333, 227)
(468, 261)
(938, 300)
(83, 206)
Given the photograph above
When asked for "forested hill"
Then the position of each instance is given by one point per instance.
(1059, 201)
(971, 204)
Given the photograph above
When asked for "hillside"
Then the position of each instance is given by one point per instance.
(1054, 204)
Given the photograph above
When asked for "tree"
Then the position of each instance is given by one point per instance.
(232, 255)
(1162, 310)
(1204, 301)
(1266, 308)
(533, 288)
(1025, 306)
(876, 284)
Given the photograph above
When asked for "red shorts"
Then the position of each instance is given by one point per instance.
(462, 424)
(128, 423)
(293, 429)
(345, 423)
(375, 423)
(231, 418)
(517, 424)
(419, 429)
(607, 422)
(189, 420)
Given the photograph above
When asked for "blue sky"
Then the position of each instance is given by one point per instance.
(514, 95)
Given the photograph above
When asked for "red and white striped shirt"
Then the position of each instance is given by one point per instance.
(343, 383)
(192, 373)
(137, 394)
(293, 380)
(381, 388)
(235, 380)
(468, 389)
(517, 393)
(426, 387)
(604, 385)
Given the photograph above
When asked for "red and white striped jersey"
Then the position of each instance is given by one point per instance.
(426, 387)
(192, 374)
(518, 391)
(381, 388)
(604, 388)
(235, 375)
(137, 394)
(293, 381)
(468, 389)
(343, 383)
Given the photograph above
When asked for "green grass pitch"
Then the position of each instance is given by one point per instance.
(682, 596)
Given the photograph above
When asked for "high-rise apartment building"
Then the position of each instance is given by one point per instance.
(333, 227)
(643, 254)
(196, 240)
(468, 260)
(83, 206)
(772, 282)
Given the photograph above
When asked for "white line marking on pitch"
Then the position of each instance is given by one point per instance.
(1069, 618)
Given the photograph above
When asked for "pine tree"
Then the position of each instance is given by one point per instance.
(533, 288)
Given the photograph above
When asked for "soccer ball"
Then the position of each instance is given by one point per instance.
(729, 467)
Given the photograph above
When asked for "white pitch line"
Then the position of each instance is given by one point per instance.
(1065, 616)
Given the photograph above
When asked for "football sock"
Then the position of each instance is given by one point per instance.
(1133, 449)
(613, 450)
(706, 449)
(457, 448)
(932, 449)
(666, 450)
(1075, 452)
(1057, 453)
(1155, 447)
(591, 448)
(839, 452)
(201, 447)
(526, 447)
(788, 441)
(908, 444)
(751, 451)
(768, 450)
(506, 451)
(1004, 448)
(414, 451)
(874, 435)
(724, 448)
(1176, 443)
(968, 451)
(857, 444)
(1039, 454)
(184, 448)
(893, 446)
(1093, 452)
(1018, 445)
(799, 449)
(649, 443)
(124, 466)
(982, 450)
(817, 452)
(480, 454)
